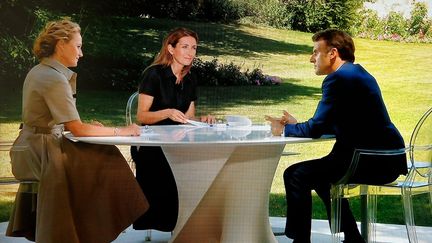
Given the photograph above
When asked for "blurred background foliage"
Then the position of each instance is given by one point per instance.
(106, 66)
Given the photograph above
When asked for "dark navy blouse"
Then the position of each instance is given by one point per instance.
(159, 82)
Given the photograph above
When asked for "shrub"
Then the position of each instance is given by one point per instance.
(419, 23)
(206, 71)
(396, 24)
(368, 25)
(16, 44)
(109, 72)
(16, 59)
(268, 12)
(213, 73)
(311, 16)
(219, 10)
(318, 17)
(230, 74)
(258, 78)
(275, 14)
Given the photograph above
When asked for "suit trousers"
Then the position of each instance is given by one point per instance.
(301, 178)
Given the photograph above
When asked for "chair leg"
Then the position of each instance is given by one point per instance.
(371, 201)
(335, 217)
(430, 190)
(409, 215)
(148, 235)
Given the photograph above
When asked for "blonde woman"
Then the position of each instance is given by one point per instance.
(86, 192)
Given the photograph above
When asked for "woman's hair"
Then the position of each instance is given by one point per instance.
(164, 57)
(45, 43)
(339, 40)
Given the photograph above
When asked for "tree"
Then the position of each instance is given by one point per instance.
(316, 15)
(419, 22)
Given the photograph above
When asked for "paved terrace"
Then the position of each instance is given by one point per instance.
(320, 233)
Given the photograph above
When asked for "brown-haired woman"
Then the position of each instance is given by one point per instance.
(167, 95)
(86, 192)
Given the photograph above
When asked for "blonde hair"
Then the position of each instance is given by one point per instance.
(164, 57)
(45, 43)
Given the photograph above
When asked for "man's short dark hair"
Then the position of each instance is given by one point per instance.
(337, 39)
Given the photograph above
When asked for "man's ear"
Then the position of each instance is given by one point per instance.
(334, 52)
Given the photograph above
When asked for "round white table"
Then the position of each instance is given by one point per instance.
(223, 175)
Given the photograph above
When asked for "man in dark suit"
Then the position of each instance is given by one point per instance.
(353, 110)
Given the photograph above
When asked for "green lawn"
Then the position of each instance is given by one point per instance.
(402, 70)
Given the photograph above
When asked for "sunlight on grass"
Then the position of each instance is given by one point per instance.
(401, 69)
(7, 197)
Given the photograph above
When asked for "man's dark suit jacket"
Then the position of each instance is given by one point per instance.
(353, 109)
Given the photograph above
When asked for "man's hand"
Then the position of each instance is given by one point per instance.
(287, 118)
(277, 125)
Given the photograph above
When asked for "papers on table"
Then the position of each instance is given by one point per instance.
(231, 121)
(197, 123)
(203, 124)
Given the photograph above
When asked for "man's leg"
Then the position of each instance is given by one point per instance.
(299, 181)
(348, 223)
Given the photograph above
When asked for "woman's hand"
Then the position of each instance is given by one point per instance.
(208, 119)
(177, 115)
(131, 130)
(96, 123)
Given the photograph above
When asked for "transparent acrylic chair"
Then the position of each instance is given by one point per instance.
(131, 109)
(130, 116)
(417, 181)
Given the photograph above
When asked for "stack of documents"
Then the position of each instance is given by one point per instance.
(231, 121)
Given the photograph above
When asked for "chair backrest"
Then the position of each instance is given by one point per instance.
(131, 109)
(420, 150)
(420, 154)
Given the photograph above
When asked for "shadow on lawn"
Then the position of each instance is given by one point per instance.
(134, 36)
(108, 107)
(224, 98)
(143, 37)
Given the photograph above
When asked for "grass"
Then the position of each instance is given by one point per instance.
(402, 70)
(7, 196)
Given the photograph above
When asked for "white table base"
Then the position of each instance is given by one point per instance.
(223, 192)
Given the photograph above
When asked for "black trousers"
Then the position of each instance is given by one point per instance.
(301, 178)
(156, 179)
